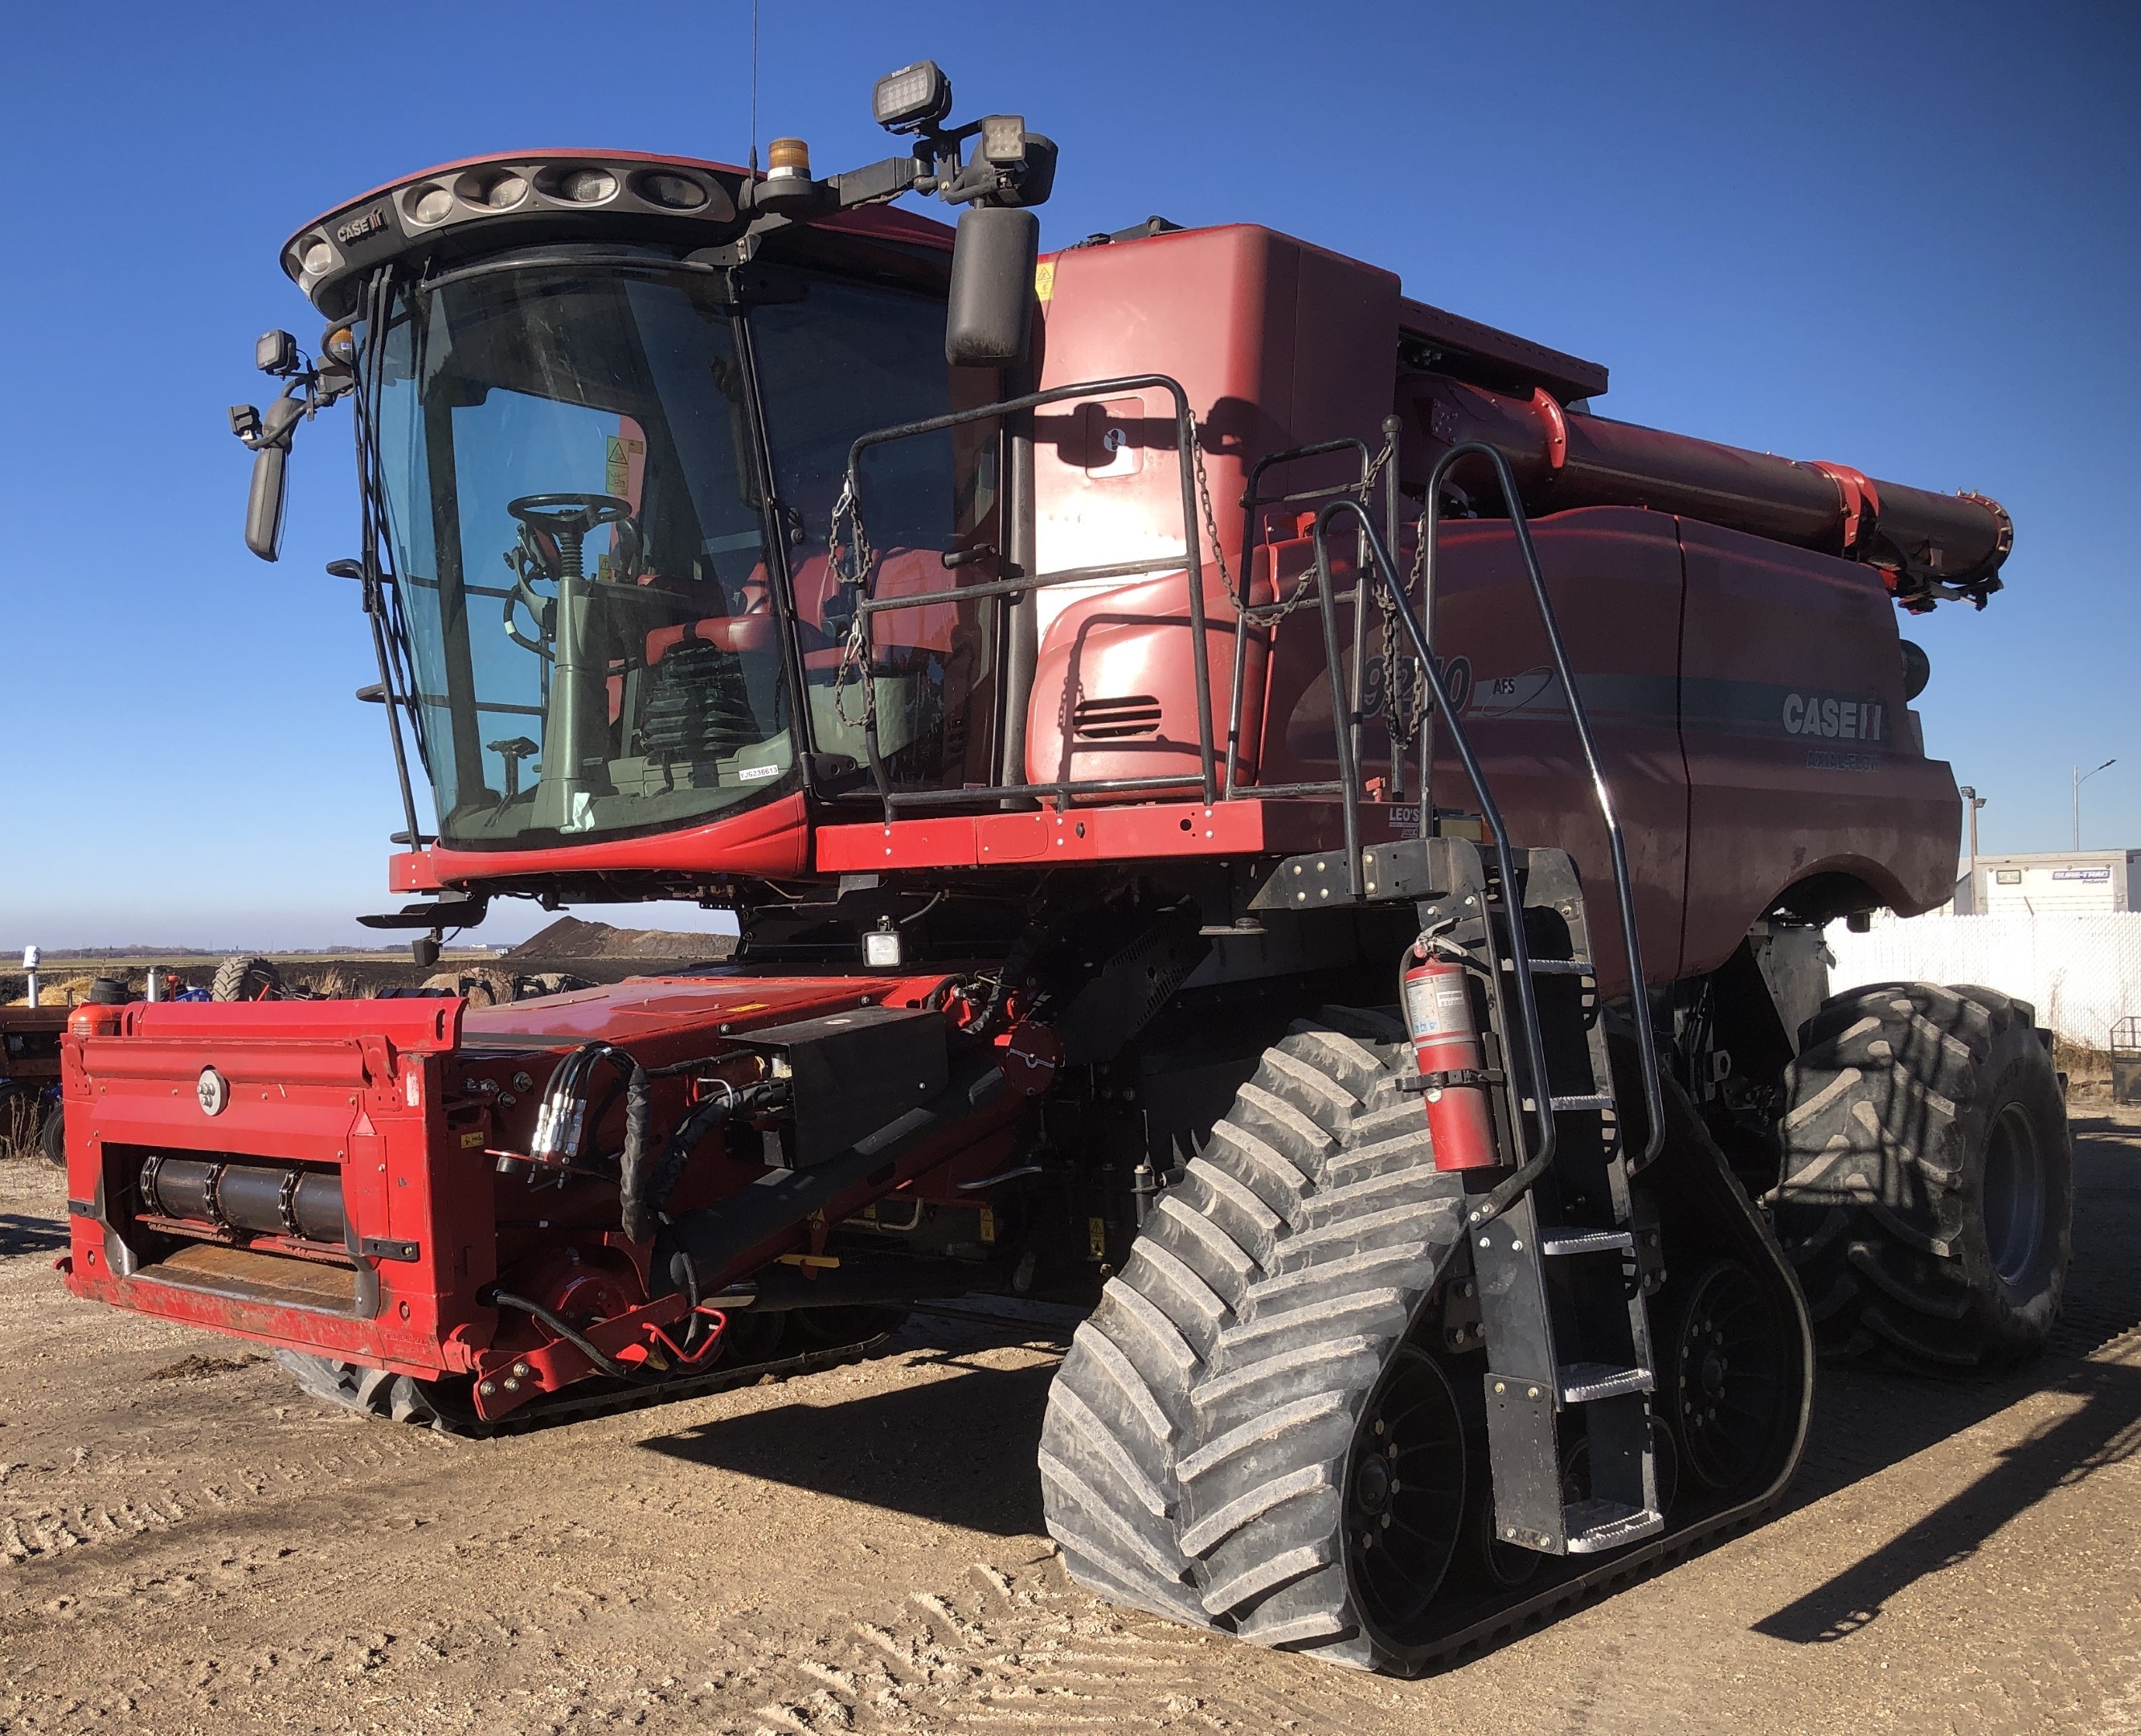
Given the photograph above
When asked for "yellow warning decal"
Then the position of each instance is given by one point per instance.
(472, 1142)
(1044, 280)
(617, 463)
(1096, 1237)
(988, 1225)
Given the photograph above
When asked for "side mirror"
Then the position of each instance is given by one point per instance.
(989, 323)
(271, 454)
(264, 506)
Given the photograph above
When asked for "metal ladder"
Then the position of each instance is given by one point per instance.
(1562, 1262)
(1561, 1270)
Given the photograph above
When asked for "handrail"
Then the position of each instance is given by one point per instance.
(1519, 949)
(1192, 560)
(1623, 889)
(1623, 884)
(1251, 503)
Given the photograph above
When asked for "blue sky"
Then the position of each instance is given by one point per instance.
(1903, 237)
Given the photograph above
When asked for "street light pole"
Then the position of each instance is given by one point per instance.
(2080, 778)
(1971, 802)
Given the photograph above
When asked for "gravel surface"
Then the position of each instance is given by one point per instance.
(187, 1544)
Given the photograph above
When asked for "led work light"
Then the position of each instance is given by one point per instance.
(913, 98)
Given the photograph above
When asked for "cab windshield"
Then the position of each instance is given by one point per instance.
(582, 506)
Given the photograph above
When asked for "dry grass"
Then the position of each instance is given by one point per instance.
(2088, 1070)
(19, 1123)
(60, 991)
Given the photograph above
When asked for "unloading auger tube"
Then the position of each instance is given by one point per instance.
(1931, 547)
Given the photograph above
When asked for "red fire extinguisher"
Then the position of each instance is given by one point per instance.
(1446, 1037)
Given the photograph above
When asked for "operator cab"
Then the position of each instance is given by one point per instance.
(605, 404)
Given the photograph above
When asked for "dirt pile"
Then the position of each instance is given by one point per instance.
(569, 938)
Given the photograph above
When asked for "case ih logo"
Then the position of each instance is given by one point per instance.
(1837, 719)
(357, 228)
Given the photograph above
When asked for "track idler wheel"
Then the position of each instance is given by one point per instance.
(1724, 1377)
(1404, 1493)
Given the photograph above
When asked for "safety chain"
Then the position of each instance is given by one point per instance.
(1304, 592)
(1403, 717)
(852, 573)
(1204, 500)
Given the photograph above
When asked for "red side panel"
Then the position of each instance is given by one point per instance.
(1114, 692)
(1800, 754)
(773, 839)
(1147, 832)
(1614, 574)
(1277, 344)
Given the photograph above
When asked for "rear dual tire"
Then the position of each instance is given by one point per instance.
(1926, 1195)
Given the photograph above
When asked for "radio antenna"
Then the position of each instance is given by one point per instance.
(754, 87)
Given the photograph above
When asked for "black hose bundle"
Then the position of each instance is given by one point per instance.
(644, 1180)
(645, 1183)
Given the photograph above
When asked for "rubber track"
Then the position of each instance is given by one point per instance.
(1193, 1458)
(1889, 1092)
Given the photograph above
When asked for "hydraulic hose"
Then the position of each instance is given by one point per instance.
(616, 1370)
(645, 1183)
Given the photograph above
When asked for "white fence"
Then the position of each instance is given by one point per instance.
(2082, 972)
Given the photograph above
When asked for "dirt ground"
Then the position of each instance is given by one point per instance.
(188, 1545)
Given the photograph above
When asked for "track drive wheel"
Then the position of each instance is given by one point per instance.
(1928, 1190)
(245, 978)
(1242, 1436)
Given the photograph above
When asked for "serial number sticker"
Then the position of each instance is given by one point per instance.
(752, 774)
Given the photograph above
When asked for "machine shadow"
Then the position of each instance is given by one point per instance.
(22, 1234)
(1864, 1422)
(2103, 1430)
(958, 1451)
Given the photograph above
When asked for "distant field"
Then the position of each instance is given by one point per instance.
(568, 945)
(327, 973)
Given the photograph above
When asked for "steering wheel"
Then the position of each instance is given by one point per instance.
(553, 533)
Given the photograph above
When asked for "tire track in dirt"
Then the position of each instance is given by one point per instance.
(1027, 1650)
(48, 1508)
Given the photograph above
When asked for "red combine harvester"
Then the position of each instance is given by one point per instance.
(1248, 806)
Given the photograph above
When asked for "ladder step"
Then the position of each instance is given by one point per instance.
(1586, 1383)
(1596, 1100)
(1563, 967)
(1581, 1240)
(1592, 1527)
